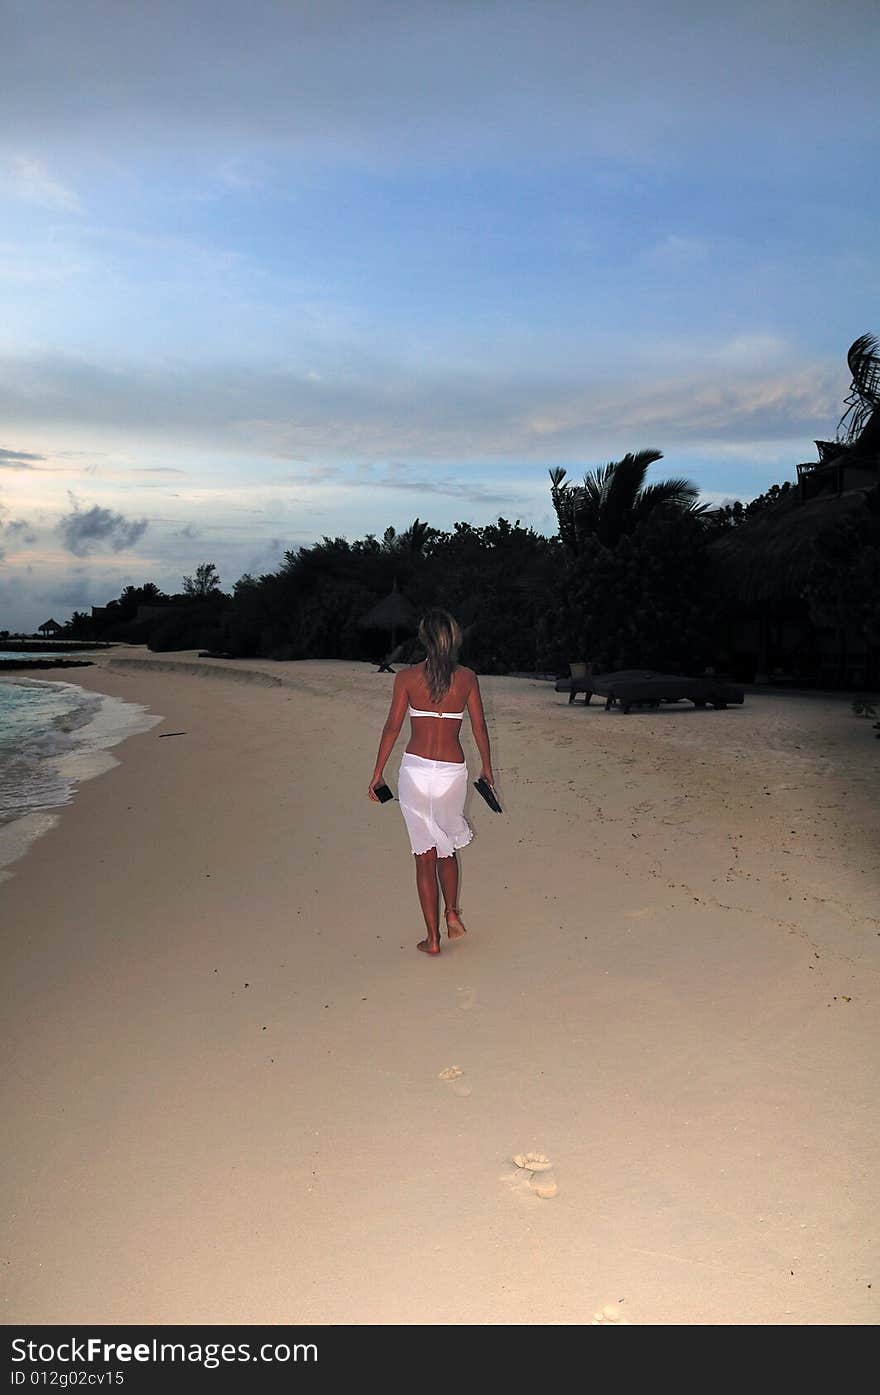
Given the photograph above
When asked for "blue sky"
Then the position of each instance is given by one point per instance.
(276, 270)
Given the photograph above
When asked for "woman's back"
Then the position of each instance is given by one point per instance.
(436, 737)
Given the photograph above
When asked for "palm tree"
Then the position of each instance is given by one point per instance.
(411, 541)
(614, 498)
(80, 623)
(416, 537)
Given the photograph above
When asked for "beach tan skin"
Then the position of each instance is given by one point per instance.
(435, 740)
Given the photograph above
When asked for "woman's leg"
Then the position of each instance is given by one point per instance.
(426, 882)
(447, 871)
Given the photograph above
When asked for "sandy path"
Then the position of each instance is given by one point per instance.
(224, 1048)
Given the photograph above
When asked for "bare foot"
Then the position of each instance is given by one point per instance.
(428, 947)
(454, 927)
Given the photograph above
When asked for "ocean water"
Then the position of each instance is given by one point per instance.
(43, 653)
(52, 737)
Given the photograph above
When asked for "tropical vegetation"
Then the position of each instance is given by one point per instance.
(637, 573)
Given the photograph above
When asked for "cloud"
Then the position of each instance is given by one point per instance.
(746, 390)
(267, 558)
(316, 474)
(241, 174)
(27, 179)
(396, 476)
(33, 267)
(76, 591)
(678, 252)
(84, 529)
(18, 460)
(376, 80)
(20, 530)
(753, 351)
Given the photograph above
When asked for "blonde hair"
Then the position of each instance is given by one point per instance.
(440, 634)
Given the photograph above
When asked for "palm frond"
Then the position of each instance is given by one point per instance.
(863, 397)
(614, 498)
(596, 481)
(672, 491)
(623, 487)
(679, 493)
(864, 364)
(626, 480)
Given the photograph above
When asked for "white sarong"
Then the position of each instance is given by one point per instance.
(432, 795)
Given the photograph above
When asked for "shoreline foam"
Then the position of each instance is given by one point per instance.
(95, 724)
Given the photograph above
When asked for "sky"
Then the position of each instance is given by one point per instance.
(276, 270)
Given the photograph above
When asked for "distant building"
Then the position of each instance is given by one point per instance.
(49, 628)
(838, 471)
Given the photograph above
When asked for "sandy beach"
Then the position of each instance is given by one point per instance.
(223, 1051)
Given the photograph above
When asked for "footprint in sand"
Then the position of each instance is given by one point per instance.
(610, 1316)
(466, 998)
(518, 1183)
(452, 1076)
(532, 1175)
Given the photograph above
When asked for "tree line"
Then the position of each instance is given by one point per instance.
(627, 581)
(630, 578)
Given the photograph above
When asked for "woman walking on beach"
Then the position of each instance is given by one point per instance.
(433, 775)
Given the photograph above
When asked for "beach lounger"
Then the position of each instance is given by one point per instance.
(400, 654)
(577, 682)
(580, 680)
(645, 687)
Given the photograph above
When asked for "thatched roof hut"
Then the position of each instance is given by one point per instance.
(770, 558)
(777, 571)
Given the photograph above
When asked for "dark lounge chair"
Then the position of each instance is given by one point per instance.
(579, 681)
(407, 652)
(645, 687)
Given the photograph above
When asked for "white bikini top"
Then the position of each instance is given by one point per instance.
(415, 712)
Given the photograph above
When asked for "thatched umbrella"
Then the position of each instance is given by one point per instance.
(391, 613)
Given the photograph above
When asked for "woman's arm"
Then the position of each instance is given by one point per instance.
(391, 729)
(478, 725)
